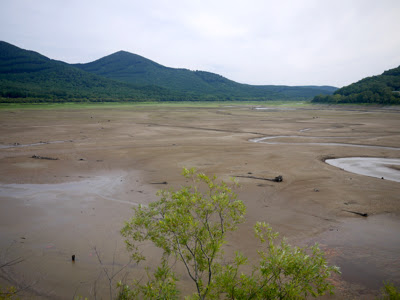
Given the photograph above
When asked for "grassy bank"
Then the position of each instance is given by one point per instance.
(116, 105)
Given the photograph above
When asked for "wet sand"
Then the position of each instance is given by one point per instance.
(108, 160)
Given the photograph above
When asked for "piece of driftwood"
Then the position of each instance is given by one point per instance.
(43, 157)
(357, 213)
(276, 179)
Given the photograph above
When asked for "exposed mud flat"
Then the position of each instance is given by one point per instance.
(51, 209)
(367, 252)
(52, 222)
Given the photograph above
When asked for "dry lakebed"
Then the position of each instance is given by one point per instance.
(69, 176)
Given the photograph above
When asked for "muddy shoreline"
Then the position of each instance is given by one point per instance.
(51, 209)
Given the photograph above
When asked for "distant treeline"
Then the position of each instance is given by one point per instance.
(381, 89)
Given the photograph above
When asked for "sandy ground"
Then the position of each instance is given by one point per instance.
(113, 158)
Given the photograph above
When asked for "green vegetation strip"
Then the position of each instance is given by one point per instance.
(116, 105)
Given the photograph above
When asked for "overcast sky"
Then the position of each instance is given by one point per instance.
(290, 42)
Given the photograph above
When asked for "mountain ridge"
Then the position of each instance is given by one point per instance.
(133, 68)
(28, 76)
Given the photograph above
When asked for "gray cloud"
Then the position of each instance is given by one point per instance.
(258, 42)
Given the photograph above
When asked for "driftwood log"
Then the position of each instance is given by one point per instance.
(43, 157)
(276, 179)
(357, 213)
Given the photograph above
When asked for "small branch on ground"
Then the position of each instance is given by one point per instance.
(357, 213)
(276, 179)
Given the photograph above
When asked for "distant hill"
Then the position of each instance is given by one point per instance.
(131, 68)
(381, 89)
(27, 76)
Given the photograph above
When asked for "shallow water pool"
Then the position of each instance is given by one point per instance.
(386, 168)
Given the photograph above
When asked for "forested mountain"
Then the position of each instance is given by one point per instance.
(381, 89)
(27, 76)
(132, 68)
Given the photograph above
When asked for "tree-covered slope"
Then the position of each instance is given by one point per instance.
(381, 89)
(135, 69)
(132, 68)
(30, 77)
(27, 76)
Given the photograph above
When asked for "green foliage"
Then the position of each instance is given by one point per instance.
(390, 292)
(29, 77)
(284, 272)
(131, 68)
(382, 89)
(161, 285)
(9, 293)
(190, 226)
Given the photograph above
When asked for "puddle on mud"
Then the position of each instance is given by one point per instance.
(46, 223)
(375, 167)
(89, 188)
(366, 250)
(305, 129)
(369, 166)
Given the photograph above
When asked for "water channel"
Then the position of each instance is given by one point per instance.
(385, 168)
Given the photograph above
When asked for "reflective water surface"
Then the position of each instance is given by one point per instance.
(384, 168)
